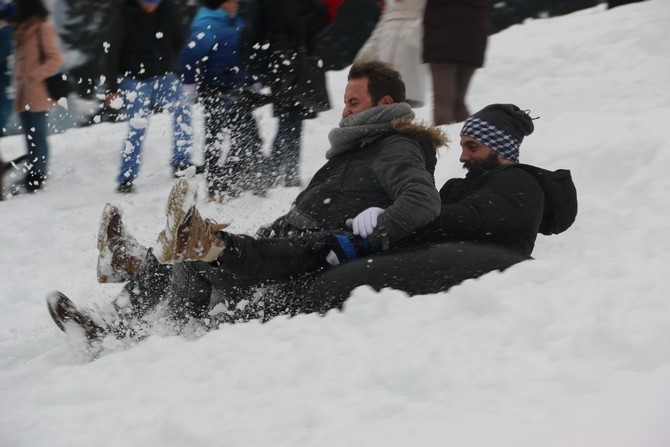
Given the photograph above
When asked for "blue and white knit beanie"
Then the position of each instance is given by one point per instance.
(500, 127)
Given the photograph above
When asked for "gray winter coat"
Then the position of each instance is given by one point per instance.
(393, 171)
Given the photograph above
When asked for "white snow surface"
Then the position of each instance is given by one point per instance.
(570, 349)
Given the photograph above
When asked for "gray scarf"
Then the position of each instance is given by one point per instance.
(359, 128)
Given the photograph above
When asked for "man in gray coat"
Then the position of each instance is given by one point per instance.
(376, 188)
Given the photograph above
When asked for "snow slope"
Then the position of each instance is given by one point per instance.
(571, 349)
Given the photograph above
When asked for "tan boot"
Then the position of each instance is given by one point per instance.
(187, 236)
(120, 255)
(196, 238)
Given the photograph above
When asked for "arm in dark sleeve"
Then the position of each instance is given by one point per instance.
(115, 41)
(179, 33)
(506, 202)
(401, 171)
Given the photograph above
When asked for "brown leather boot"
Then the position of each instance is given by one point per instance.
(120, 255)
(196, 238)
(187, 236)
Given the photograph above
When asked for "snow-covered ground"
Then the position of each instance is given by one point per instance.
(571, 349)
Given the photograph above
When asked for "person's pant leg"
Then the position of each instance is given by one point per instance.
(245, 163)
(191, 294)
(285, 154)
(215, 135)
(137, 100)
(167, 95)
(425, 269)
(463, 76)
(444, 93)
(35, 130)
(149, 286)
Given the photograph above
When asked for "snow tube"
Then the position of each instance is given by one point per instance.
(430, 268)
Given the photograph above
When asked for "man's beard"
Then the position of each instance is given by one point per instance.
(489, 163)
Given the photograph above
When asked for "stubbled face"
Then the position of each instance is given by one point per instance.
(477, 155)
(356, 97)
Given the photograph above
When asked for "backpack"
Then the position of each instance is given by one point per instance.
(560, 198)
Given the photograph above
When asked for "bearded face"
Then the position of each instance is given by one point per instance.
(491, 161)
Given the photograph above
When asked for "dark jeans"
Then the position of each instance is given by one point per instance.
(285, 154)
(244, 166)
(283, 277)
(258, 279)
(35, 130)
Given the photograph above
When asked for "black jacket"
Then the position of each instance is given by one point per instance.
(142, 45)
(503, 206)
(293, 24)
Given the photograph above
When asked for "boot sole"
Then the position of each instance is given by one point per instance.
(63, 311)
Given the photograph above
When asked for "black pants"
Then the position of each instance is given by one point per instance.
(425, 269)
(244, 166)
(287, 279)
(258, 278)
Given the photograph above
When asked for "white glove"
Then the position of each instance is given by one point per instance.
(365, 223)
(187, 96)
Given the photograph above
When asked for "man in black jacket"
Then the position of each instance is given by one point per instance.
(489, 220)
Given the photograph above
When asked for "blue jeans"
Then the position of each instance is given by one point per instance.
(35, 130)
(285, 153)
(139, 96)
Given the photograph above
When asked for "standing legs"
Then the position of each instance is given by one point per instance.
(35, 130)
(450, 85)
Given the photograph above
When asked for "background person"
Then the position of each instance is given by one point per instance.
(293, 23)
(210, 59)
(144, 40)
(37, 56)
(396, 39)
(454, 43)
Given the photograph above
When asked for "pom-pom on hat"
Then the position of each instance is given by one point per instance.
(213, 4)
(500, 127)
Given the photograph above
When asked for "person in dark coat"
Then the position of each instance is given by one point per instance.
(210, 60)
(353, 21)
(488, 221)
(143, 44)
(454, 44)
(379, 169)
(294, 24)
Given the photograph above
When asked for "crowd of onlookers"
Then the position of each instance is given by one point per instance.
(237, 56)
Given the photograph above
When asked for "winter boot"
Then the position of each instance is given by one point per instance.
(120, 255)
(187, 236)
(197, 239)
(64, 312)
(180, 200)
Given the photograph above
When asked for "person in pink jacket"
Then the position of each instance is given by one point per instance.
(37, 57)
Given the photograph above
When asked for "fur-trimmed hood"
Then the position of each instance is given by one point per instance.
(431, 134)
